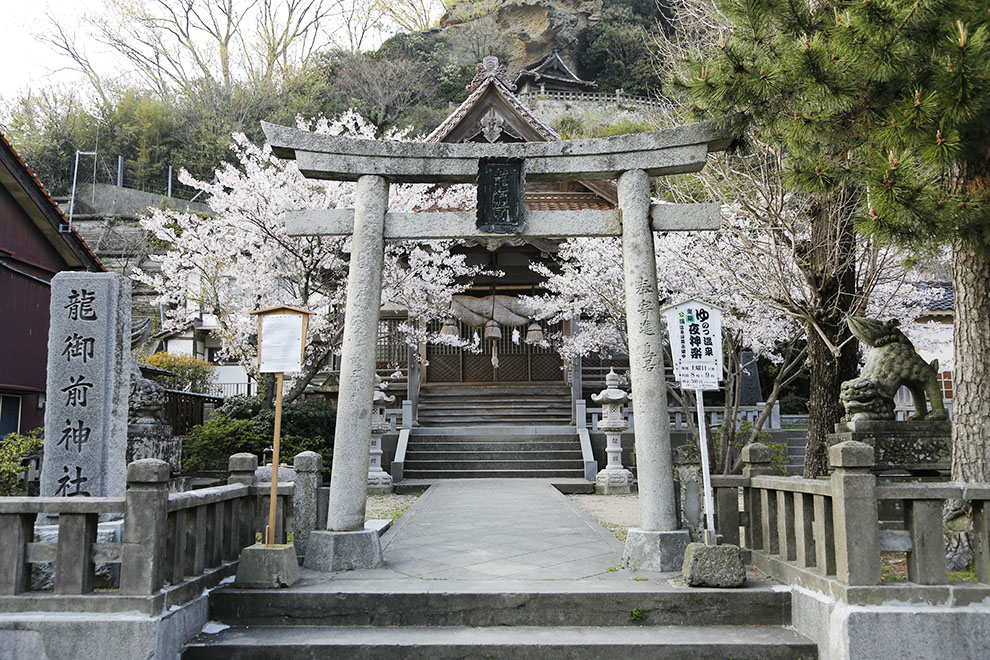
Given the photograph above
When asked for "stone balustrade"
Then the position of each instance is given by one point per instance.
(677, 416)
(825, 534)
(171, 546)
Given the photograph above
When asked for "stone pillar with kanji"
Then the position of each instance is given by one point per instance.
(89, 344)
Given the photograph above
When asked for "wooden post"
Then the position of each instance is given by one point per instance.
(273, 497)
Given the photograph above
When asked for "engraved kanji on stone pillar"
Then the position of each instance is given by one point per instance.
(88, 385)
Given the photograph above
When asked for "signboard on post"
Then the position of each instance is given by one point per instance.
(281, 348)
(695, 330)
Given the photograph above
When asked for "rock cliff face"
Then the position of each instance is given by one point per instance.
(521, 32)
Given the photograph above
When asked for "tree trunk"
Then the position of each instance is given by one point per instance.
(826, 374)
(971, 397)
(832, 269)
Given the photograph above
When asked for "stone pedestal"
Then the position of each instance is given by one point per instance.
(148, 434)
(343, 551)
(662, 552)
(267, 567)
(920, 447)
(713, 566)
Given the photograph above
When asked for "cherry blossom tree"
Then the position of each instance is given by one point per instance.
(239, 258)
(753, 273)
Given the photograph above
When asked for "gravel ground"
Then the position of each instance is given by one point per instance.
(388, 507)
(617, 513)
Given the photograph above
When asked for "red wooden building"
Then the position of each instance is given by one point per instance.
(32, 250)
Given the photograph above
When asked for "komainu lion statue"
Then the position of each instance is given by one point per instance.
(891, 363)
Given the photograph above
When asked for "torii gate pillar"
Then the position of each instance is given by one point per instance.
(658, 545)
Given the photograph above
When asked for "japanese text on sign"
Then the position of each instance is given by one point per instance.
(695, 331)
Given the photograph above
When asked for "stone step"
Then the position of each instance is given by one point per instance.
(501, 446)
(490, 420)
(416, 454)
(492, 474)
(527, 405)
(454, 442)
(522, 430)
(467, 389)
(417, 465)
(427, 643)
(496, 413)
(552, 604)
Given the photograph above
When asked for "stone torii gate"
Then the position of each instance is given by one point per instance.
(501, 170)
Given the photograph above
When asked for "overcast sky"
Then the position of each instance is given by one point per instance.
(26, 61)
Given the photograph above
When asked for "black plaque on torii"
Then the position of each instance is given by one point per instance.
(501, 193)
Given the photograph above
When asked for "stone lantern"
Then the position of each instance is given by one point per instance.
(614, 479)
(379, 481)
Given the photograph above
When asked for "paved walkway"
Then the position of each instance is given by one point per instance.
(495, 530)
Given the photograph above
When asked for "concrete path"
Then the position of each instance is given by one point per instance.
(495, 529)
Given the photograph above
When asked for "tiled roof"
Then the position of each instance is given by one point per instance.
(490, 74)
(50, 208)
(565, 201)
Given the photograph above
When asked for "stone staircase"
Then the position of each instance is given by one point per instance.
(796, 441)
(520, 451)
(541, 404)
(549, 622)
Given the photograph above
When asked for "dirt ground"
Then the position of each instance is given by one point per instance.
(617, 513)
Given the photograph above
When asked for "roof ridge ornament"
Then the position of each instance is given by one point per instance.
(490, 69)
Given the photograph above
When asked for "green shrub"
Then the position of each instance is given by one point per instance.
(312, 418)
(14, 448)
(239, 406)
(188, 373)
(207, 446)
(794, 404)
(238, 426)
(622, 127)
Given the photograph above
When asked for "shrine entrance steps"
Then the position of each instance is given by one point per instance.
(493, 452)
(499, 568)
(505, 404)
(567, 623)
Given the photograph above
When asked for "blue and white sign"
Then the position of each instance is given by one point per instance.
(695, 331)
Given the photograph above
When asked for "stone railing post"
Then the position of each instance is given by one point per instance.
(854, 511)
(756, 461)
(241, 468)
(304, 501)
(142, 553)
